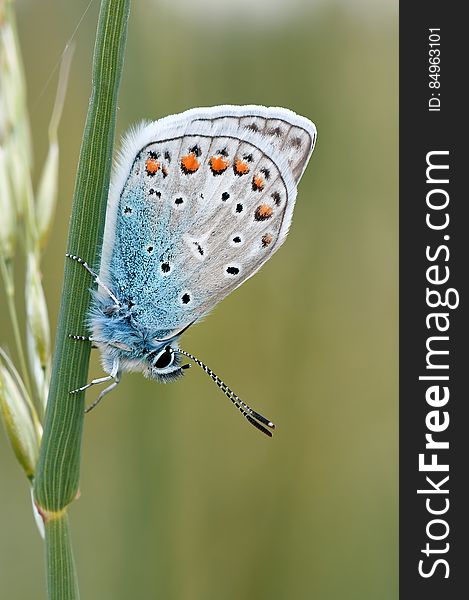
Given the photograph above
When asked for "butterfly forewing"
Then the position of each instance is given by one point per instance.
(204, 204)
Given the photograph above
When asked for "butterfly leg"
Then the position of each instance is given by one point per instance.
(92, 382)
(109, 388)
(94, 275)
(112, 375)
(83, 338)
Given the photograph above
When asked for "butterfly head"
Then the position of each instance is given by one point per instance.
(164, 364)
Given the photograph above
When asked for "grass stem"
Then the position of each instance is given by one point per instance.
(57, 477)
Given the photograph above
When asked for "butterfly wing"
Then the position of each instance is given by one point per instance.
(198, 203)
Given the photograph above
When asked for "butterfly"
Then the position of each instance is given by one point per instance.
(198, 202)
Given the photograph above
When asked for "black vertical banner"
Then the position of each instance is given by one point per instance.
(434, 333)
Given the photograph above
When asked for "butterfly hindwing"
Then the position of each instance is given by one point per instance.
(205, 202)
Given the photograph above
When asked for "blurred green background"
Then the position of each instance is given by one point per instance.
(181, 499)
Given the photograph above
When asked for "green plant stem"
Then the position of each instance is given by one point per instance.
(60, 559)
(57, 477)
(8, 282)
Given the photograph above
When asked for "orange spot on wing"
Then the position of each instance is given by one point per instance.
(152, 166)
(266, 240)
(189, 163)
(240, 167)
(218, 164)
(263, 212)
(257, 183)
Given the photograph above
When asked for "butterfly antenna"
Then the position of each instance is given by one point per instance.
(251, 415)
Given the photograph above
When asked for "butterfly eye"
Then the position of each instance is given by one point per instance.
(164, 359)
